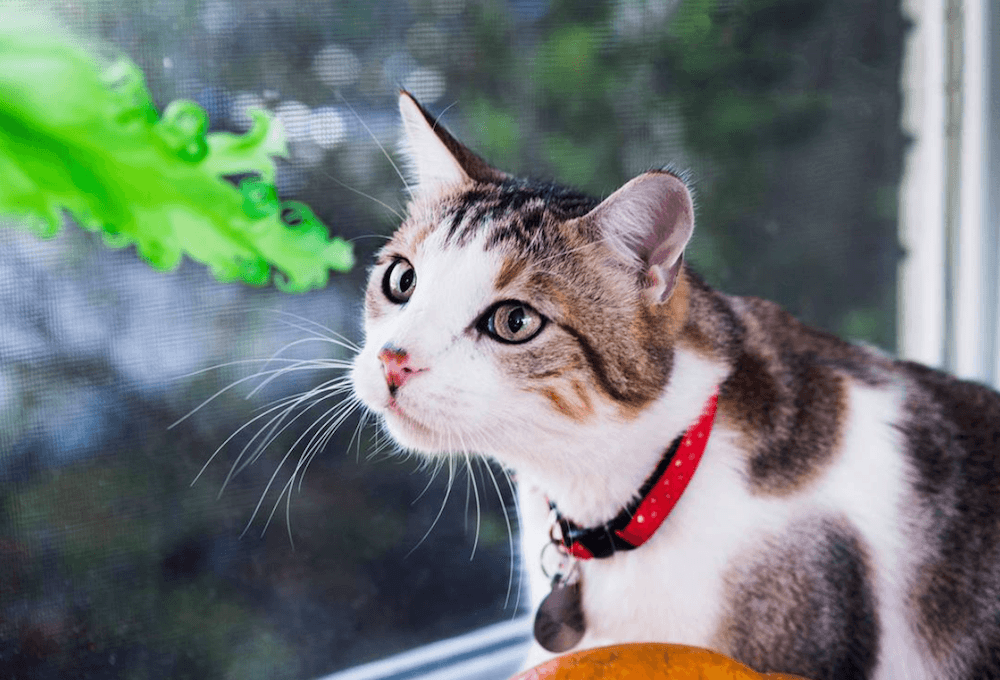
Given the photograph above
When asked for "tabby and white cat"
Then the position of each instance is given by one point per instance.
(844, 520)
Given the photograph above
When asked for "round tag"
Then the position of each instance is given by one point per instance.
(559, 622)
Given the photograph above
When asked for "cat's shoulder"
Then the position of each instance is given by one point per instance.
(760, 332)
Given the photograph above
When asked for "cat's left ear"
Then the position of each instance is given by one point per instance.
(649, 221)
(437, 160)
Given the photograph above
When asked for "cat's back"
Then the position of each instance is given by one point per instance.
(950, 431)
(904, 461)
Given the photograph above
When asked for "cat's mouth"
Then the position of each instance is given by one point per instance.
(406, 428)
(394, 407)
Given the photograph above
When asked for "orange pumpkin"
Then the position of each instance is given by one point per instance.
(643, 661)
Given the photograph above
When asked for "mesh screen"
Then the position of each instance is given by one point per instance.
(114, 564)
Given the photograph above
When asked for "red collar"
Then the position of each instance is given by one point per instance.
(634, 525)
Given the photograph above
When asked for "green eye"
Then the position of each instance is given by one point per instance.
(512, 322)
(399, 281)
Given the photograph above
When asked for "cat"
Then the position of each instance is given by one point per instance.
(843, 520)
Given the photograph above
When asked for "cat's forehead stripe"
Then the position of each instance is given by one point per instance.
(515, 211)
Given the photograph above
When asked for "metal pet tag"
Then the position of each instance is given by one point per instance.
(559, 623)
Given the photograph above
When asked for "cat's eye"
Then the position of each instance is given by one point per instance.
(399, 281)
(512, 322)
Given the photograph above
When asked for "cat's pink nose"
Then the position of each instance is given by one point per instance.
(397, 367)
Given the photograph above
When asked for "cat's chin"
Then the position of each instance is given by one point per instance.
(411, 433)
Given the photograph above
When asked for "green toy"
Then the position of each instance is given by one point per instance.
(86, 139)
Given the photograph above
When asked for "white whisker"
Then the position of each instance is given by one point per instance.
(311, 364)
(285, 406)
(378, 144)
(446, 110)
(287, 488)
(447, 494)
(356, 437)
(475, 489)
(323, 435)
(219, 393)
(236, 432)
(314, 396)
(438, 464)
(326, 329)
(510, 535)
(487, 443)
(316, 336)
(513, 556)
(385, 205)
(227, 364)
(260, 502)
(336, 386)
(384, 237)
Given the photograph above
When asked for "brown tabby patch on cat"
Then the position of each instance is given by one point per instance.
(805, 605)
(557, 370)
(712, 328)
(510, 270)
(578, 407)
(788, 394)
(952, 438)
(946, 608)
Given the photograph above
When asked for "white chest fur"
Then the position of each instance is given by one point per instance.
(675, 589)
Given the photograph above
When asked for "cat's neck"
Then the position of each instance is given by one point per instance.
(594, 471)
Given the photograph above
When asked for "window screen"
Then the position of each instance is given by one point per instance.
(136, 546)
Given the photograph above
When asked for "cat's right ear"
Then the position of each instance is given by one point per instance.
(436, 159)
(649, 221)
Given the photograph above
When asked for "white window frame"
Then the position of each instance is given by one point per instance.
(949, 223)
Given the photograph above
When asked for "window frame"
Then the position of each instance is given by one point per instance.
(949, 226)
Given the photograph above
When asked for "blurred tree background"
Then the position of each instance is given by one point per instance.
(785, 114)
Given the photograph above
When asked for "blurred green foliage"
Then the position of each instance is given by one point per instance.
(496, 131)
(793, 186)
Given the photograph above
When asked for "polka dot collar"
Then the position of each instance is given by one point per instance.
(656, 499)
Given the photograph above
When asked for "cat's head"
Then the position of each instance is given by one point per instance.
(505, 314)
